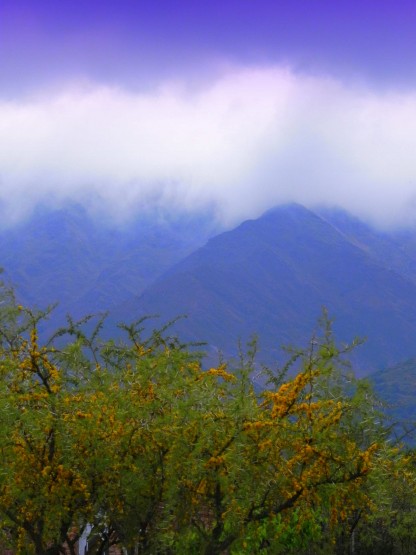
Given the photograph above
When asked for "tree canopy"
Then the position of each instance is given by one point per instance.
(136, 445)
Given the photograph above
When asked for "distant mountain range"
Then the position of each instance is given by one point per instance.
(270, 276)
(273, 275)
(89, 266)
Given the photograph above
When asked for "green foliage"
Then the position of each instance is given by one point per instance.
(138, 443)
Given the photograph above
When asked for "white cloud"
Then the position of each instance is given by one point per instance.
(249, 140)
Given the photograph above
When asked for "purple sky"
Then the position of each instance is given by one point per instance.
(235, 104)
(136, 42)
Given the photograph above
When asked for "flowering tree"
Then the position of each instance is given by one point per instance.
(139, 445)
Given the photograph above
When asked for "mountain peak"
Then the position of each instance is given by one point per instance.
(273, 275)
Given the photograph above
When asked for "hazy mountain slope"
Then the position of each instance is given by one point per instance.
(396, 385)
(68, 257)
(271, 276)
(395, 249)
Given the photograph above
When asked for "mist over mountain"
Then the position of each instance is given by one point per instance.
(270, 277)
(273, 275)
(87, 265)
(241, 141)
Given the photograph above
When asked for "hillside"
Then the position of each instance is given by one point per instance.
(396, 385)
(273, 275)
(88, 265)
(269, 277)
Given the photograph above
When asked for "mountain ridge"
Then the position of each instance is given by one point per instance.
(268, 276)
(302, 263)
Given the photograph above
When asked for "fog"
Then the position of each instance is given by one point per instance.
(239, 144)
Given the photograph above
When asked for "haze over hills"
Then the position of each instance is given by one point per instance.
(273, 275)
(396, 386)
(89, 266)
(395, 249)
(269, 277)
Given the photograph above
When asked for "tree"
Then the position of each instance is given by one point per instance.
(137, 443)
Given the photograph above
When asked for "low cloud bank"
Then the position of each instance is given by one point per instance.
(249, 140)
